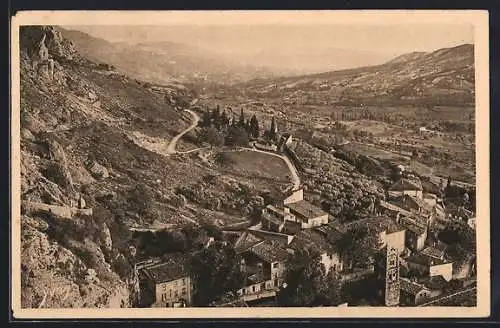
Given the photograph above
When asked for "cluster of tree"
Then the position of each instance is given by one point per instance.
(218, 128)
(357, 246)
(221, 121)
(308, 283)
(189, 238)
(461, 234)
(215, 272)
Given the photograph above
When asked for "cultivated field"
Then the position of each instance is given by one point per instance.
(260, 169)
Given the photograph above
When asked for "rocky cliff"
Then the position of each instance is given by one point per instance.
(78, 172)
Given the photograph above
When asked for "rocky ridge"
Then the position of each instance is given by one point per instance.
(78, 172)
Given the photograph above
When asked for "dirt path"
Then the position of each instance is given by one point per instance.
(173, 143)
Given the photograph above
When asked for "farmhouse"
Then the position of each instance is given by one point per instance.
(428, 266)
(166, 283)
(264, 266)
(416, 233)
(405, 186)
(294, 196)
(273, 218)
(384, 228)
(321, 241)
(413, 293)
(307, 214)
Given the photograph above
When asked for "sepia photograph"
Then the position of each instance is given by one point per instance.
(250, 164)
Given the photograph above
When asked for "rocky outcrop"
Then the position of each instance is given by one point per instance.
(106, 241)
(43, 42)
(63, 212)
(58, 169)
(53, 277)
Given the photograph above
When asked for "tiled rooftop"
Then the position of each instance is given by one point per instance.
(376, 224)
(410, 287)
(424, 260)
(313, 239)
(412, 226)
(306, 209)
(275, 210)
(173, 268)
(405, 184)
(270, 252)
(245, 241)
(436, 251)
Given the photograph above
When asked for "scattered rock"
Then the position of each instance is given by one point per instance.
(179, 201)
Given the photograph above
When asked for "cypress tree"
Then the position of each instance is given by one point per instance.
(254, 126)
(242, 119)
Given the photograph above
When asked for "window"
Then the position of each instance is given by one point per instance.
(184, 291)
(275, 265)
(164, 286)
(176, 293)
(183, 281)
(175, 283)
(253, 288)
(170, 292)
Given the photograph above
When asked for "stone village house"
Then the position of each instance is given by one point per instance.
(165, 283)
(413, 293)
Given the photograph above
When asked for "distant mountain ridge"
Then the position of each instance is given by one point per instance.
(441, 77)
(163, 62)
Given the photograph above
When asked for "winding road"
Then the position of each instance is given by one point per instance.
(173, 143)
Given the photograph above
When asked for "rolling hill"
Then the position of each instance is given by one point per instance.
(441, 77)
(165, 62)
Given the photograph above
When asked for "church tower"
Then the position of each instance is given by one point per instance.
(392, 284)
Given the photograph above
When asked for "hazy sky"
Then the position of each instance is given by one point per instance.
(379, 38)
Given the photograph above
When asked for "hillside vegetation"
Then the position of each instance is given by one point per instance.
(77, 119)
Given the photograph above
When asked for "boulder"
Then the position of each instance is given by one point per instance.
(98, 171)
(81, 176)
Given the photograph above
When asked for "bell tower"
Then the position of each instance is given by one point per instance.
(392, 288)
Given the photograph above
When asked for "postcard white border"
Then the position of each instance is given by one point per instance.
(479, 19)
